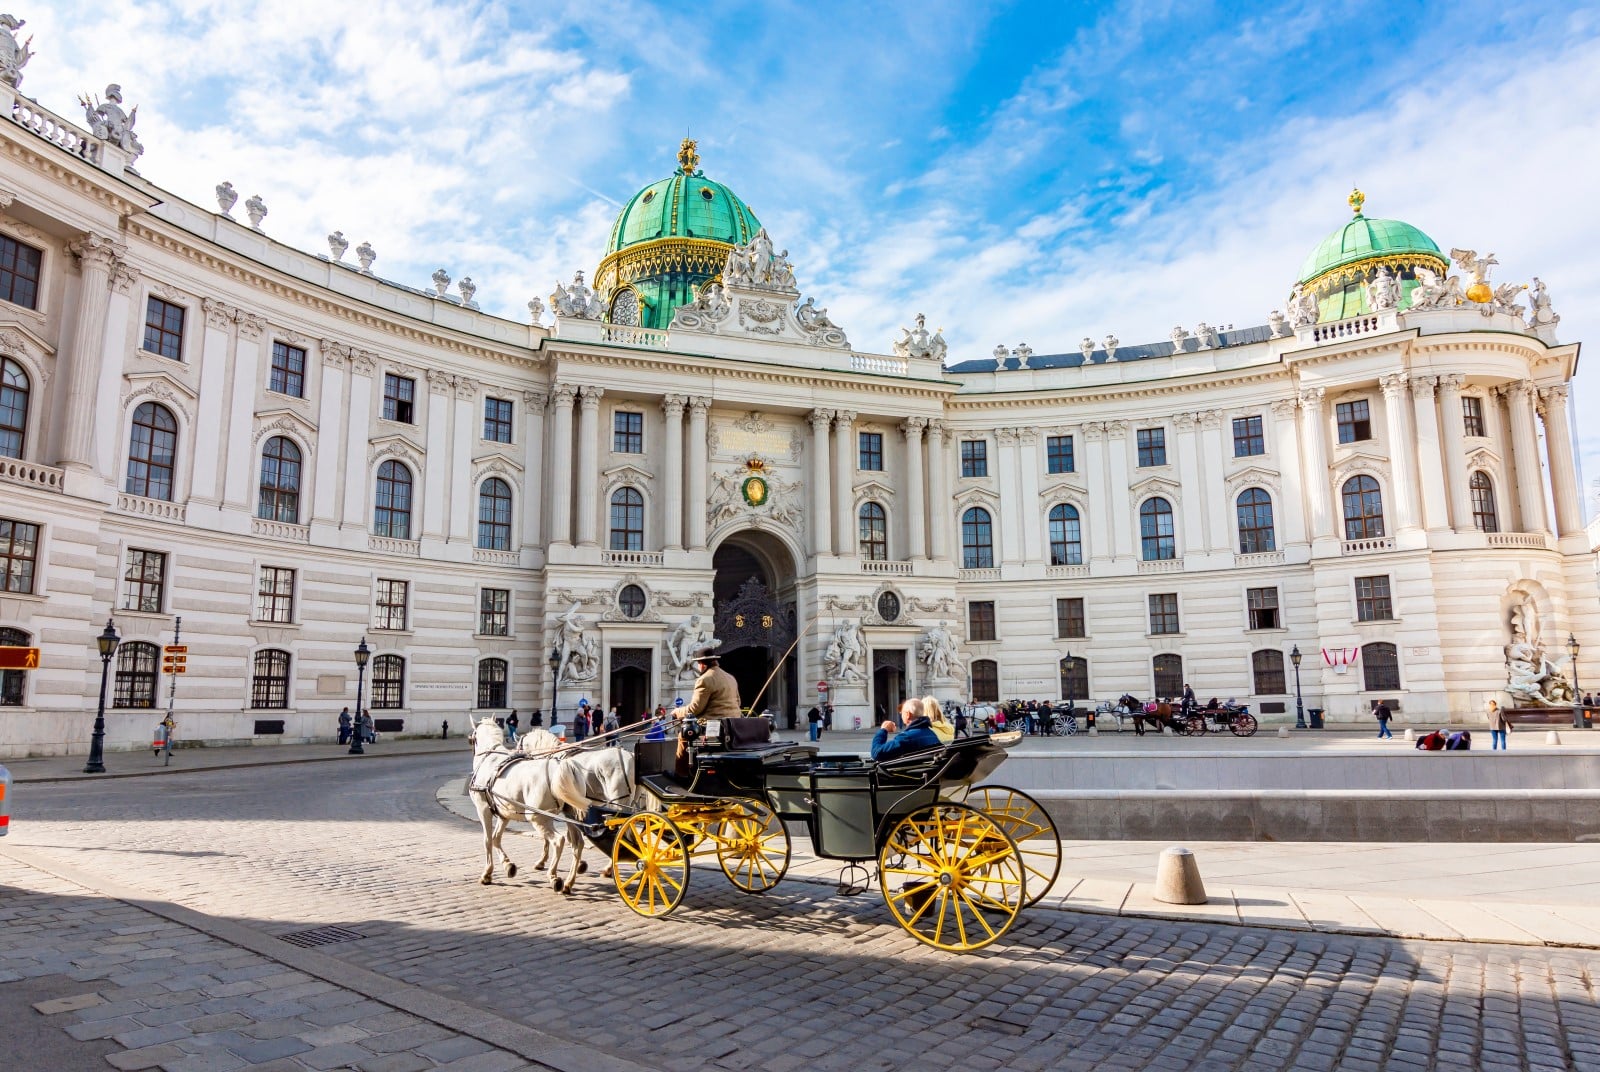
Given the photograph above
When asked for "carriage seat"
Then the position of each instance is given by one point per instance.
(742, 733)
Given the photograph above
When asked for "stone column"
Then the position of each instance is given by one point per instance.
(1563, 470)
(1525, 452)
(330, 431)
(938, 493)
(465, 429)
(1402, 451)
(436, 464)
(672, 483)
(1028, 502)
(1454, 449)
(1430, 455)
(1124, 534)
(96, 256)
(1213, 492)
(821, 515)
(358, 469)
(1011, 517)
(215, 357)
(1192, 508)
(1098, 479)
(698, 461)
(844, 463)
(1314, 437)
(533, 467)
(916, 508)
(560, 463)
(240, 468)
(1285, 443)
(589, 465)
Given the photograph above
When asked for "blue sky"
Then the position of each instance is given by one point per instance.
(1030, 172)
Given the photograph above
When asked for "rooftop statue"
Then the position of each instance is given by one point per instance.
(1000, 354)
(1278, 323)
(1383, 292)
(441, 281)
(1022, 353)
(917, 342)
(1179, 336)
(1541, 315)
(1507, 299)
(1302, 308)
(757, 267)
(1111, 344)
(536, 310)
(820, 328)
(709, 308)
(13, 57)
(108, 122)
(468, 288)
(1432, 292)
(1469, 261)
(577, 301)
(1086, 347)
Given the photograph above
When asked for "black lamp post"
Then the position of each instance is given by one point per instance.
(555, 683)
(1299, 701)
(1577, 695)
(363, 653)
(107, 643)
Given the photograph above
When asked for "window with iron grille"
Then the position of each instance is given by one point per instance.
(152, 452)
(497, 420)
(14, 683)
(19, 273)
(135, 684)
(388, 683)
(980, 619)
(269, 680)
(1074, 678)
(1363, 508)
(1372, 599)
(1066, 536)
(15, 390)
(391, 513)
(494, 515)
(288, 370)
(275, 595)
(391, 608)
(1266, 667)
(870, 451)
(627, 432)
(494, 612)
(874, 532)
(1380, 666)
(1472, 415)
(1156, 539)
(1168, 673)
(974, 457)
(399, 398)
(985, 681)
(1164, 613)
(1152, 444)
(1355, 421)
(1070, 623)
(279, 498)
(19, 555)
(163, 328)
(492, 677)
(1484, 514)
(1263, 607)
(1058, 456)
(1254, 508)
(977, 539)
(627, 520)
(1247, 438)
(144, 582)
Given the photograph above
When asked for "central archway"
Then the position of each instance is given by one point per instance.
(753, 608)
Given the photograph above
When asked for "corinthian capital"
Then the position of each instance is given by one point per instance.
(562, 394)
(844, 417)
(912, 427)
(592, 397)
(1555, 394)
(97, 251)
(820, 418)
(672, 406)
(1311, 397)
(699, 405)
(1423, 386)
(1394, 384)
(1285, 407)
(1451, 381)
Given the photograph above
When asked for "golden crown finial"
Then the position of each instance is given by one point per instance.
(688, 159)
(1356, 200)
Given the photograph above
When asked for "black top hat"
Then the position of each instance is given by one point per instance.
(708, 653)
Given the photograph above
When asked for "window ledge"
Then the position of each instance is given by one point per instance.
(263, 623)
(131, 613)
(1374, 621)
(32, 597)
(1072, 639)
(142, 352)
(1269, 629)
(392, 632)
(493, 636)
(1165, 636)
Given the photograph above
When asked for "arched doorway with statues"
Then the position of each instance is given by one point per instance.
(753, 608)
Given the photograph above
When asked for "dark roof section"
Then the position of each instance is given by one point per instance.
(1137, 352)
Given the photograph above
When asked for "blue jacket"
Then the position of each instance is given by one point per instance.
(917, 737)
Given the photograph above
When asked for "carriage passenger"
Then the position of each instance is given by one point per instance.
(918, 735)
(936, 720)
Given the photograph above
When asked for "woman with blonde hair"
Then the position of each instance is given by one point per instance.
(936, 720)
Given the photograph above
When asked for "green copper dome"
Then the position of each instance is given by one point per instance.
(1343, 263)
(685, 204)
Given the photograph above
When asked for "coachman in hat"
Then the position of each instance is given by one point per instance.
(716, 695)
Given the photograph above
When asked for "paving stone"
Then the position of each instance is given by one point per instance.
(268, 1049)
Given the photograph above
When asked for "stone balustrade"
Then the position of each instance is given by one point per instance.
(990, 573)
(496, 558)
(388, 546)
(631, 558)
(1162, 565)
(1536, 540)
(1259, 558)
(55, 130)
(1367, 547)
(1066, 571)
(159, 509)
(648, 338)
(883, 366)
(280, 530)
(38, 476)
(881, 566)
(1345, 329)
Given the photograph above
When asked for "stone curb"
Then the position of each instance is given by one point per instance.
(530, 1044)
(265, 761)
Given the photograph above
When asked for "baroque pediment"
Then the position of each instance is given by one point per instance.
(1156, 485)
(1252, 475)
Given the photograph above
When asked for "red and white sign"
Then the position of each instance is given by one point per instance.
(822, 686)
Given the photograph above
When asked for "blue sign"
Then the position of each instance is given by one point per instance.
(583, 703)
(678, 702)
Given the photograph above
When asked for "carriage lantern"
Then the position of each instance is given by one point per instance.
(362, 654)
(1299, 702)
(1577, 696)
(107, 643)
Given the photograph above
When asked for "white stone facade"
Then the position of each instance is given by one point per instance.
(716, 406)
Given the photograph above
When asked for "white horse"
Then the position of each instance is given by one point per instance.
(603, 777)
(527, 787)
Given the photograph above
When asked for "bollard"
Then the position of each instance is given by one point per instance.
(1094, 731)
(5, 801)
(444, 730)
(1166, 731)
(1411, 734)
(1552, 737)
(1178, 878)
(1283, 731)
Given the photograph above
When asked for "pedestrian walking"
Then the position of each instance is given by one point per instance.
(827, 715)
(163, 741)
(611, 725)
(344, 726)
(1381, 712)
(1499, 726)
(580, 723)
(960, 722)
(814, 724)
(511, 727)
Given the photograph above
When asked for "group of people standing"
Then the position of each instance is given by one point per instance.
(363, 726)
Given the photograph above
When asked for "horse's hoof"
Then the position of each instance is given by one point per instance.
(538, 867)
(567, 890)
(607, 873)
(583, 867)
(511, 871)
(555, 884)
(486, 881)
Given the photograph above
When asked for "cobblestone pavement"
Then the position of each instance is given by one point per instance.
(798, 979)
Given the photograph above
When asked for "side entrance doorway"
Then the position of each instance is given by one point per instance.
(888, 684)
(630, 682)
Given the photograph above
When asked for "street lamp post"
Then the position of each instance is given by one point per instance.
(1577, 694)
(1299, 701)
(555, 683)
(107, 643)
(363, 653)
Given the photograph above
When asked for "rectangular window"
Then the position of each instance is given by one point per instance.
(399, 398)
(870, 454)
(275, 595)
(1472, 416)
(497, 420)
(1164, 613)
(494, 612)
(1152, 446)
(145, 581)
(163, 328)
(1355, 421)
(19, 553)
(627, 432)
(19, 273)
(288, 370)
(1058, 454)
(974, 457)
(980, 620)
(1372, 599)
(1069, 619)
(269, 685)
(1263, 604)
(1247, 438)
(391, 611)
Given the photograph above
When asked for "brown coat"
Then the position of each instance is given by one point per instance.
(716, 695)
(1498, 719)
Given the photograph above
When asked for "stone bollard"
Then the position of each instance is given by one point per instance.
(1283, 731)
(1094, 731)
(1166, 731)
(1178, 878)
(1411, 734)
(1552, 737)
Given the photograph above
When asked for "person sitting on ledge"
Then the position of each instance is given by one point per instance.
(918, 736)
(1459, 742)
(1433, 742)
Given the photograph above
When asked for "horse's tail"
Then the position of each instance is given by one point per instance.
(567, 784)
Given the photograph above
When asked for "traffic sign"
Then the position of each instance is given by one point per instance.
(174, 664)
(175, 649)
(822, 686)
(678, 702)
(19, 658)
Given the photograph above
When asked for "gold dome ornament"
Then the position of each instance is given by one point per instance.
(1356, 200)
(688, 156)
(1481, 293)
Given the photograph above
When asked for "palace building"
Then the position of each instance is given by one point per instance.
(294, 455)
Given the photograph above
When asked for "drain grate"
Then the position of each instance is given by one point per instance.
(320, 936)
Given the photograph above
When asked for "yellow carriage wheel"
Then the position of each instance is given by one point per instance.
(650, 863)
(752, 847)
(1030, 827)
(952, 876)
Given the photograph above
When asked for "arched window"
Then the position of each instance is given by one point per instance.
(627, 520)
(1066, 536)
(269, 680)
(494, 515)
(14, 392)
(391, 515)
(136, 675)
(280, 481)
(985, 681)
(1484, 514)
(1266, 666)
(1168, 674)
(977, 540)
(152, 452)
(388, 682)
(1255, 522)
(492, 676)
(1155, 530)
(874, 532)
(1074, 678)
(1380, 666)
(14, 683)
(1363, 508)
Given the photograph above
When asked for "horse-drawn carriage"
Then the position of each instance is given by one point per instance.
(1186, 721)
